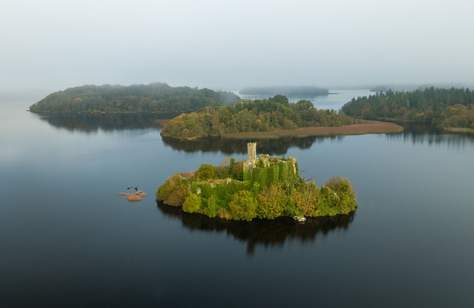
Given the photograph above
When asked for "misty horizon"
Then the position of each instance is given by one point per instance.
(236, 44)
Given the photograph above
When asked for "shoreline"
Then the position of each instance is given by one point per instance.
(459, 130)
(367, 127)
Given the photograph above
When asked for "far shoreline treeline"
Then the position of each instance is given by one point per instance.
(450, 110)
(193, 113)
(157, 99)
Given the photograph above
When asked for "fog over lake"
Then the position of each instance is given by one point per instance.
(54, 44)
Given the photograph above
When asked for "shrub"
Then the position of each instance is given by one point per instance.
(206, 172)
(223, 213)
(192, 204)
(237, 171)
(173, 191)
(243, 206)
(271, 202)
(345, 193)
(305, 198)
(212, 207)
(327, 203)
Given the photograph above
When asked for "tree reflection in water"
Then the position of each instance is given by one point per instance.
(264, 233)
(230, 146)
(92, 123)
(426, 134)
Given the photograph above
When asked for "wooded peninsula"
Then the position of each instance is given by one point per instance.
(262, 187)
(446, 109)
(158, 99)
(268, 118)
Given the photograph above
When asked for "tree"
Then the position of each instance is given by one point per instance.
(192, 204)
(174, 191)
(305, 199)
(206, 172)
(212, 207)
(243, 206)
(271, 202)
(251, 116)
(346, 198)
(159, 99)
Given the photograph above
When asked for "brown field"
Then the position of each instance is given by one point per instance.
(367, 127)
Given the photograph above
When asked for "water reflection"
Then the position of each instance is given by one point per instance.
(93, 123)
(420, 134)
(262, 233)
(89, 124)
(274, 146)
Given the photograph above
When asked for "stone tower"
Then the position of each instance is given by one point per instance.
(249, 164)
(252, 152)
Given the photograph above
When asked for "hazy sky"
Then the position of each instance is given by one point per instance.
(229, 44)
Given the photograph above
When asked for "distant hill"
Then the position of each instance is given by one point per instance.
(158, 99)
(289, 91)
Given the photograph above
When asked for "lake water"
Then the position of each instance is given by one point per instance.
(69, 240)
(334, 101)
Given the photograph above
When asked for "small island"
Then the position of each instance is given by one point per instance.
(450, 110)
(269, 118)
(262, 187)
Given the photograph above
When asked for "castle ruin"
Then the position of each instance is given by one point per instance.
(251, 155)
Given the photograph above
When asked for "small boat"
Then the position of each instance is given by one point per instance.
(137, 196)
(134, 197)
(140, 193)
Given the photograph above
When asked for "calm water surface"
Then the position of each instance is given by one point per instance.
(335, 100)
(68, 240)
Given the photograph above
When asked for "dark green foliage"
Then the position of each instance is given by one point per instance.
(304, 199)
(251, 116)
(205, 172)
(276, 172)
(441, 108)
(236, 170)
(336, 197)
(243, 206)
(174, 191)
(267, 191)
(272, 202)
(346, 195)
(192, 204)
(212, 207)
(158, 99)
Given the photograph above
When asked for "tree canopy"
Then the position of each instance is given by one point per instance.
(442, 108)
(251, 116)
(159, 99)
(270, 189)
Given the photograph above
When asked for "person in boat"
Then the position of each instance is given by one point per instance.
(136, 196)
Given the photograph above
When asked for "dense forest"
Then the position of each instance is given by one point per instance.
(270, 189)
(159, 99)
(290, 91)
(251, 116)
(442, 108)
